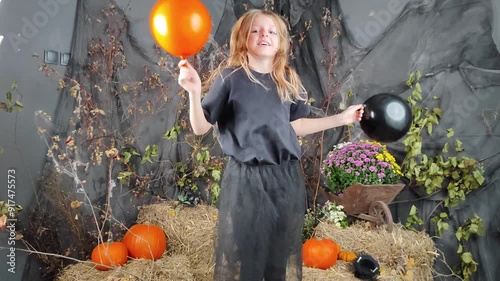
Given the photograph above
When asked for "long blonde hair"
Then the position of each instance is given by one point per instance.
(287, 80)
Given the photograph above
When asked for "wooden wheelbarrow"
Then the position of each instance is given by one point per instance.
(369, 202)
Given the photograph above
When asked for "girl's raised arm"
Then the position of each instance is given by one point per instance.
(191, 82)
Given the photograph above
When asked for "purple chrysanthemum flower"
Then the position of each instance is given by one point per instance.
(358, 160)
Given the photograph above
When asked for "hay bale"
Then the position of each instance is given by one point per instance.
(171, 268)
(190, 231)
(402, 254)
(341, 271)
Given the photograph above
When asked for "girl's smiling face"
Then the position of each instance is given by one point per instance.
(263, 40)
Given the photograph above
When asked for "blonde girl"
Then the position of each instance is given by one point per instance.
(258, 103)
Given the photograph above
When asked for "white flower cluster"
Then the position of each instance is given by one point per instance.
(340, 145)
(333, 213)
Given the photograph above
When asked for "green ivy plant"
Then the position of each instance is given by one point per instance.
(472, 226)
(311, 220)
(202, 166)
(413, 220)
(452, 172)
(462, 174)
(9, 105)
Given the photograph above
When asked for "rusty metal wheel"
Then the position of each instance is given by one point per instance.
(381, 212)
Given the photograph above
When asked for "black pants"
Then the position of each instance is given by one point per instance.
(261, 215)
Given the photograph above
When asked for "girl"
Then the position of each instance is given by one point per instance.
(258, 103)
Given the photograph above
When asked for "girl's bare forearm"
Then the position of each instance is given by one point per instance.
(306, 126)
(197, 118)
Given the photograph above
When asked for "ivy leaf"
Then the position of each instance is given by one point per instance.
(478, 176)
(419, 91)
(425, 159)
(417, 94)
(429, 128)
(172, 133)
(467, 257)
(442, 225)
(445, 148)
(124, 177)
(410, 80)
(150, 151)
(453, 161)
(434, 119)
(18, 105)
(458, 146)
(437, 182)
(416, 149)
(437, 111)
(216, 174)
(9, 98)
(473, 228)
(433, 169)
(126, 156)
(413, 210)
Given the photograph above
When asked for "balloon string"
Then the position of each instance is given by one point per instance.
(185, 63)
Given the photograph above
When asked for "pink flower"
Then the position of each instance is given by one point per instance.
(356, 161)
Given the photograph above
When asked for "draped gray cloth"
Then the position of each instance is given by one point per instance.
(359, 47)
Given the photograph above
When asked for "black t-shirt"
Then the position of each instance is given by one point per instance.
(254, 124)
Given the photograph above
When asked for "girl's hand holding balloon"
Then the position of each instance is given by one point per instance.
(353, 113)
(189, 79)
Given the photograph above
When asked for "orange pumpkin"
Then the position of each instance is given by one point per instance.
(107, 255)
(145, 241)
(347, 256)
(320, 253)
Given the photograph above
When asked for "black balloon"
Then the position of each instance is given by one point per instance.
(386, 117)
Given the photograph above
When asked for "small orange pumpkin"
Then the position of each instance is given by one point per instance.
(107, 255)
(145, 241)
(320, 253)
(347, 256)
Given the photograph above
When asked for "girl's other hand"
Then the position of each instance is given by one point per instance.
(353, 113)
(189, 78)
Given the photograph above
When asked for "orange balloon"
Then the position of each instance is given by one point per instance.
(180, 27)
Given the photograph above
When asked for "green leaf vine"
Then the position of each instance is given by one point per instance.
(451, 171)
(9, 105)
